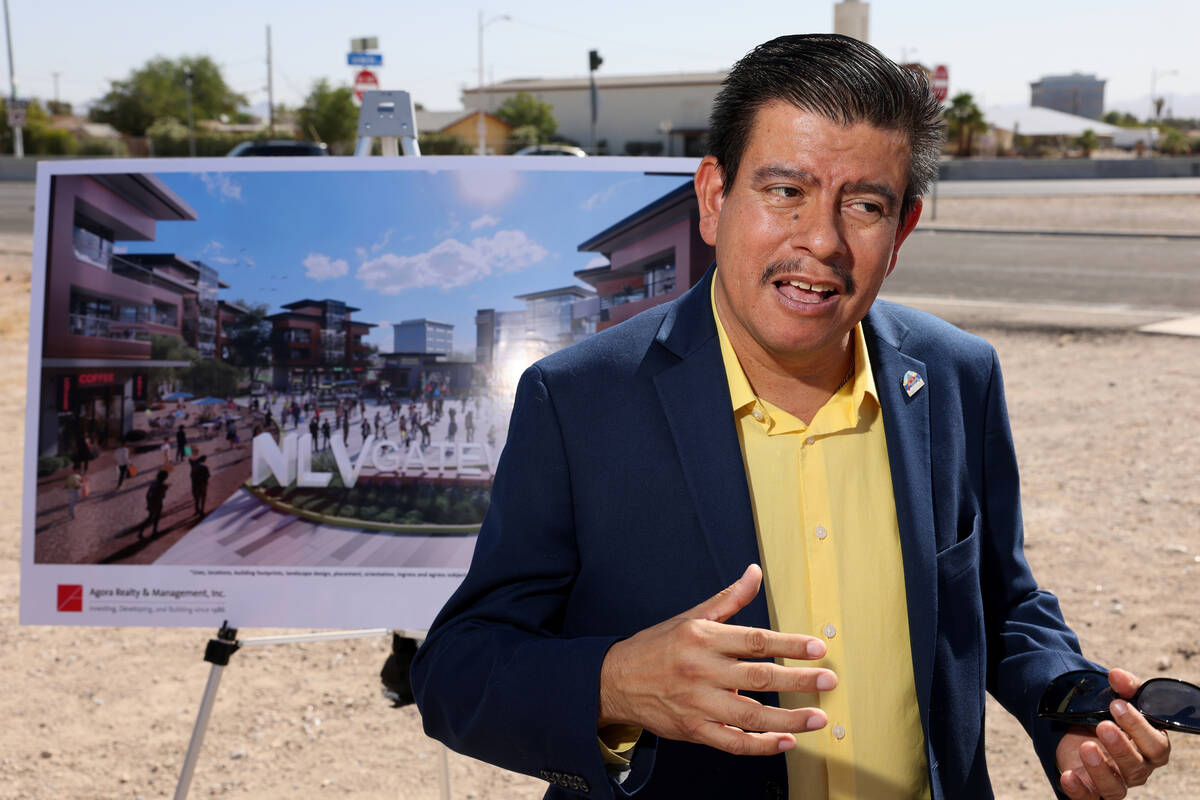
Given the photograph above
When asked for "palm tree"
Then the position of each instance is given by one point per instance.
(964, 120)
(1088, 142)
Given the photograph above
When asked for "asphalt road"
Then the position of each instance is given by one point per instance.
(1140, 273)
(16, 207)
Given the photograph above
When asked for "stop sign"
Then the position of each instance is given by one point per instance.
(364, 81)
(941, 82)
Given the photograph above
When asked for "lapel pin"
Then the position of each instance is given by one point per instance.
(912, 383)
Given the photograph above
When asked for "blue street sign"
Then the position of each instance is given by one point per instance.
(364, 59)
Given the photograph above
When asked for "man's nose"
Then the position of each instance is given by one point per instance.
(817, 229)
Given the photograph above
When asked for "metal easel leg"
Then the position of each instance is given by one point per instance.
(216, 653)
(444, 776)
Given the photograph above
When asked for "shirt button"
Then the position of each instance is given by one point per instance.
(829, 631)
(821, 532)
(810, 440)
(839, 732)
(757, 414)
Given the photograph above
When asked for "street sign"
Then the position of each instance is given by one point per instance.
(364, 43)
(364, 81)
(16, 117)
(941, 82)
(360, 59)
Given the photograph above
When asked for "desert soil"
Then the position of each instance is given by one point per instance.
(1106, 431)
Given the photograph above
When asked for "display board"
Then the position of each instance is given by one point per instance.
(275, 391)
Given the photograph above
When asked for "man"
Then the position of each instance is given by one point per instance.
(200, 474)
(180, 444)
(156, 495)
(774, 414)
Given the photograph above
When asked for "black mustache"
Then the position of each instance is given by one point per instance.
(777, 268)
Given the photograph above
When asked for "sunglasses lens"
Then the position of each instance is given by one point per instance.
(1077, 693)
(1170, 700)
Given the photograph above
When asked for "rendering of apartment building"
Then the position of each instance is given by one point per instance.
(228, 314)
(654, 255)
(551, 320)
(197, 285)
(101, 308)
(315, 343)
(422, 336)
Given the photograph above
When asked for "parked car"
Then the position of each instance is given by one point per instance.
(550, 150)
(280, 147)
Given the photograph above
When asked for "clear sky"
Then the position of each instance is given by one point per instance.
(400, 244)
(992, 49)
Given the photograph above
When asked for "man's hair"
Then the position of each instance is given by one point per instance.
(839, 78)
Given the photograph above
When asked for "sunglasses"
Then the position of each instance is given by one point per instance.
(1082, 698)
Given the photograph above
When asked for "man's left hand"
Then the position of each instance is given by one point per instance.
(1101, 763)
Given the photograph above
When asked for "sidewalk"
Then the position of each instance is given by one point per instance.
(104, 530)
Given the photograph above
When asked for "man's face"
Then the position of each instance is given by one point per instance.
(806, 234)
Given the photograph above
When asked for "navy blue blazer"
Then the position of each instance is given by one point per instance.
(621, 500)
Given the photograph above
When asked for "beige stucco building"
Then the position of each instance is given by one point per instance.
(638, 114)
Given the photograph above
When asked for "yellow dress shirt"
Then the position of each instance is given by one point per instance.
(830, 548)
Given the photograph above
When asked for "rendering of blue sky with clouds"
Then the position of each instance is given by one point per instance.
(400, 244)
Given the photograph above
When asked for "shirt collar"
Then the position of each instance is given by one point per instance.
(860, 385)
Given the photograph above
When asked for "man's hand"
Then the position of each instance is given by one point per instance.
(680, 679)
(1105, 761)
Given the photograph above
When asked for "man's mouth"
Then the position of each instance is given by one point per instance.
(801, 292)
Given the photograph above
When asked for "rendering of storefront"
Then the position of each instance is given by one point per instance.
(102, 308)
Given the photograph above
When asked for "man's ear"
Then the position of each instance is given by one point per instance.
(906, 227)
(710, 192)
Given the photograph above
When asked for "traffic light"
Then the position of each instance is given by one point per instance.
(594, 60)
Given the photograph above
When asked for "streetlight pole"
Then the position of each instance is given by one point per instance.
(1155, 74)
(18, 139)
(270, 91)
(480, 126)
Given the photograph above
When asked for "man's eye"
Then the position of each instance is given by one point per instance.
(865, 206)
(784, 191)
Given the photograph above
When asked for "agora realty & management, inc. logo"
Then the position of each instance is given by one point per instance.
(70, 597)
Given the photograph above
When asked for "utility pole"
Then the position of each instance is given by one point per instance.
(56, 74)
(481, 126)
(270, 91)
(18, 140)
(187, 82)
(594, 62)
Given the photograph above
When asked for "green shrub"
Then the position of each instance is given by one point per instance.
(46, 141)
(443, 144)
(48, 465)
(102, 147)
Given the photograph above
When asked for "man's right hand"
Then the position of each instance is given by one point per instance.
(680, 678)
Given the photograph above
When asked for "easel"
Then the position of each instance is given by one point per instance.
(389, 117)
(218, 652)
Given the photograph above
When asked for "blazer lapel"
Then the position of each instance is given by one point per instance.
(906, 426)
(695, 399)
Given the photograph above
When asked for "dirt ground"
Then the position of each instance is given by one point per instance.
(1106, 430)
